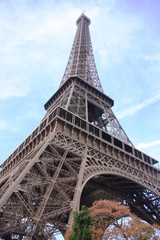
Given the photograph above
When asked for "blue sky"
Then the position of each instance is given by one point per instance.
(36, 37)
(35, 42)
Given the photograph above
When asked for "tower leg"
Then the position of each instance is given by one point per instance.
(77, 196)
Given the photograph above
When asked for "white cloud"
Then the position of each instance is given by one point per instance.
(148, 145)
(154, 57)
(3, 125)
(133, 109)
(25, 45)
(12, 85)
(118, 36)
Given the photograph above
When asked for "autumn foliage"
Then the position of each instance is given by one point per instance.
(104, 213)
(132, 229)
(110, 220)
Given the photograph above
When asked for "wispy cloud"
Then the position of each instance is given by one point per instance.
(3, 125)
(12, 85)
(135, 108)
(148, 145)
(153, 57)
(25, 45)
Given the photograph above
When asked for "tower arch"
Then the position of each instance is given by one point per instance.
(121, 188)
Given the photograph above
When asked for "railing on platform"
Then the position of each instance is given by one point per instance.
(85, 126)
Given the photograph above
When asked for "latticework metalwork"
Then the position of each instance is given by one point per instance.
(81, 62)
(79, 153)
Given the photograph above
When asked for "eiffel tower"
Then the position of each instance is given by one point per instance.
(79, 153)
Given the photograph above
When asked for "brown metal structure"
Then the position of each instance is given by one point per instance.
(78, 153)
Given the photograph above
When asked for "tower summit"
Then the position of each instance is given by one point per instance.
(79, 153)
(81, 62)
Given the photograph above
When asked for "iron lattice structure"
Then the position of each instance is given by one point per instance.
(81, 62)
(78, 153)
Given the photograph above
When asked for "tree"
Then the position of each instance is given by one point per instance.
(112, 220)
(131, 229)
(104, 213)
(81, 229)
(109, 220)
